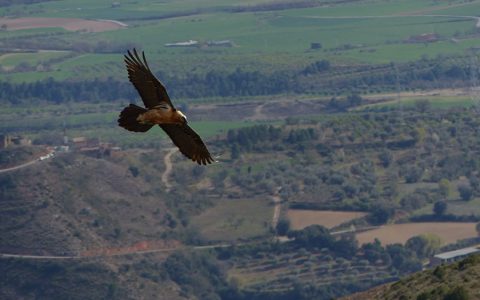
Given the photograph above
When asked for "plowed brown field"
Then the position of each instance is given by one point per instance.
(449, 232)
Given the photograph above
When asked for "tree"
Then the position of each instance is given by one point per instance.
(134, 171)
(346, 247)
(313, 236)
(373, 251)
(422, 105)
(235, 151)
(444, 187)
(439, 208)
(457, 293)
(380, 215)
(385, 158)
(423, 245)
(283, 226)
(413, 174)
(474, 183)
(465, 191)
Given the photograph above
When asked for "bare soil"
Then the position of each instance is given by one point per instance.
(449, 232)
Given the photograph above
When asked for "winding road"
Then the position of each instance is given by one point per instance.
(475, 18)
(168, 168)
(23, 165)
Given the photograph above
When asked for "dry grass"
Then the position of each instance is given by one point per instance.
(301, 218)
(235, 219)
(449, 232)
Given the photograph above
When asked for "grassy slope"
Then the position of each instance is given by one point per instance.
(96, 204)
(120, 278)
(235, 219)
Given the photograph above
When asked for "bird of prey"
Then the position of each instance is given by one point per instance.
(159, 110)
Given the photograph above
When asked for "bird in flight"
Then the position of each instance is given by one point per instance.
(159, 110)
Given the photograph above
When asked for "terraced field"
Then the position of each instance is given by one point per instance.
(278, 273)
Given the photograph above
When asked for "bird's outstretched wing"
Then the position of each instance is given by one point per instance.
(151, 90)
(189, 142)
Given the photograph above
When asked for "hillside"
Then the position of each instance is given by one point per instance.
(345, 134)
(389, 164)
(455, 281)
(73, 203)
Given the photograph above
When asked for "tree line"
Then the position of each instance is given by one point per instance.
(319, 77)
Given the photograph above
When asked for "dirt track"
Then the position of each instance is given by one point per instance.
(168, 168)
(70, 24)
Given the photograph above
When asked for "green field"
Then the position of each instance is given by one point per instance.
(235, 219)
(269, 40)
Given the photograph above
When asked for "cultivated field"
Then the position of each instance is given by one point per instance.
(235, 219)
(71, 24)
(270, 40)
(301, 218)
(449, 232)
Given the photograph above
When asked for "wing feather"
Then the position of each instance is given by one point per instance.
(188, 142)
(151, 90)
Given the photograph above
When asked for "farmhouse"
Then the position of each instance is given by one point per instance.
(189, 43)
(7, 140)
(222, 43)
(423, 38)
(451, 256)
(21, 140)
(4, 141)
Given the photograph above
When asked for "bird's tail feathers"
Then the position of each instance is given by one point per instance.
(128, 119)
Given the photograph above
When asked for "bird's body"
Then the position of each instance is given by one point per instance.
(161, 115)
(159, 110)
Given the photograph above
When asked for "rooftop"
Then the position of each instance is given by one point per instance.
(456, 253)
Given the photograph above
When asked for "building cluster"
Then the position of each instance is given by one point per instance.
(88, 146)
(8, 140)
(93, 147)
(423, 38)
(193, 43)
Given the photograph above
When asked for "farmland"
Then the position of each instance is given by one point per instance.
(400, 233)
(323, 114)
(68, 24)
(300, 219)
(234, 220)
(357, 33)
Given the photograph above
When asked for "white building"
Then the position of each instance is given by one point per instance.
(452, 256)
(189, 43)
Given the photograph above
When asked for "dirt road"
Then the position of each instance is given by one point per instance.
(168, 168)
(23, 165)
(140, 252)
